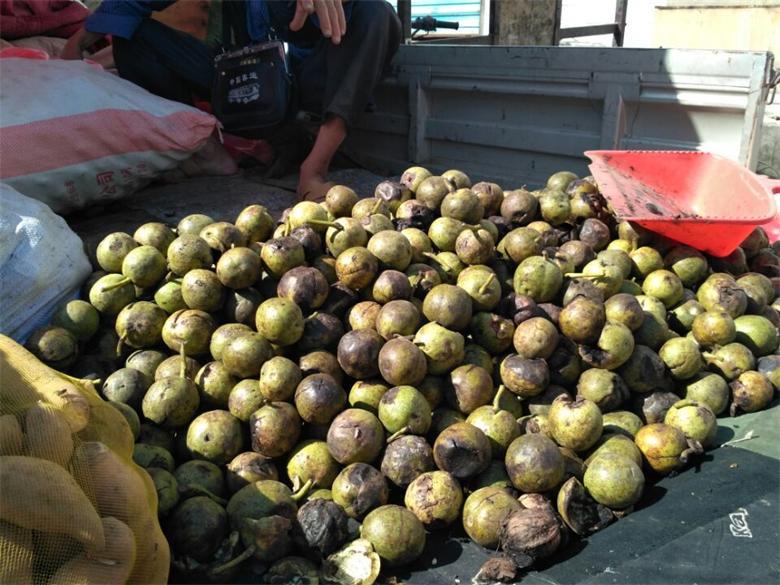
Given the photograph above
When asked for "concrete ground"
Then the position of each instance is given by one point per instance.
(219, 197)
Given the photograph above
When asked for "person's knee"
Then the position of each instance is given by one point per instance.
(375, 16)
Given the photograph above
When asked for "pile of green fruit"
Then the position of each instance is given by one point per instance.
(312, 396)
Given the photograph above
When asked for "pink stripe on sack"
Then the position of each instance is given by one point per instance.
(68, 140)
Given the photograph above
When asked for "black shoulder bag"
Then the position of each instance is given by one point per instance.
(253, 88)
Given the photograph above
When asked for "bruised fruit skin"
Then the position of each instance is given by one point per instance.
(524, 377)
(530, 534)
(499, 426)
(171, 402)
(484, 511)
(216, 436)
(616, 445)
(354, 436)
(215, 385)
(280, 321)
(367, 394)
(770, 367)
(197, 477)
(603, 387)
(582, 320)
(358, 489)
(443, 348)
(730, 360)
(396, 534)
(752, 391)
(682, 357)
(614, 481)
(274, 429)
(279, 377)
(246, 468)
(404, 409)
(579, 511)
(358, 353)
(576, 424)
(757, 333)
(436, 498)
(462, 450)
(720, 292)
(406, 458)
(696, 420)
(311, 463)
(713, 328)
(196, 527)
(470, 387)
(319, 398)
(665, 448)
(709, 389)
(622, 422)
(322, 526)
(534, 463)
(613, 348)
(401, 362)
(535, 338)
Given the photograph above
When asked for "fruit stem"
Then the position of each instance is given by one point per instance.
(482, 289)
(332, 224)
(399, 433)
(236, 561)
(193, 487)
(583, 275)
(301, 493)
(376, 206)
(119, 345)
(497, 397)
(694, 448)
(439, 262)
(117, 284)
(183, 360)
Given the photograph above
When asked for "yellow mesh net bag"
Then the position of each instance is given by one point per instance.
(74, 508)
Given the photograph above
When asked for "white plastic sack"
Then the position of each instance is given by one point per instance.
(42, 264)
(72, 135)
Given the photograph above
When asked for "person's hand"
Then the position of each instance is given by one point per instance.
(78, 43)
(72, 48)
(333, 23)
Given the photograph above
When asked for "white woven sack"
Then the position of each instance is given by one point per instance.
(73, 135)
(42, 264)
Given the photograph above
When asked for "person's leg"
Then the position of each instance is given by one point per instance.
(356, 66)
(166, 62)
(338, 81)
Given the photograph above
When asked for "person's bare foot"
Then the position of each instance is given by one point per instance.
(313, 183)
(312, 186)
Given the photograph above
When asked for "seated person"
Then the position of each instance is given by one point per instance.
(338, 54)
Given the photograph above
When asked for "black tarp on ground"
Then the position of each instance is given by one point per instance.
(681, 534)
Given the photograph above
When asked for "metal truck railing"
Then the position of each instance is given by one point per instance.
(519, 114)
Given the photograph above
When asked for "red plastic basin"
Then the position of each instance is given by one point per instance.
(700, 199)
